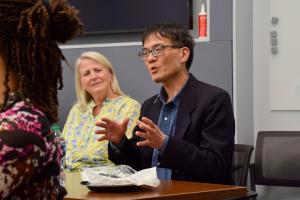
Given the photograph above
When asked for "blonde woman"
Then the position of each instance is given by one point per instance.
(98, 95)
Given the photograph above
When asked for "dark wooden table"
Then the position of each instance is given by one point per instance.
(168, 190)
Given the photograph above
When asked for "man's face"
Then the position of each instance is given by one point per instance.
(169, 63)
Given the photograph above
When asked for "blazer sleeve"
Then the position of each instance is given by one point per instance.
(127, 152)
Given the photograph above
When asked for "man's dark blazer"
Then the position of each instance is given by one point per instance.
(202, 146)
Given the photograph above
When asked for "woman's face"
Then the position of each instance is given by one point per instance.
(13, 81)
(2, 75)
(94, 77)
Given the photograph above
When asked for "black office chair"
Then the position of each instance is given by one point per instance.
(241, 163)
(277, 160)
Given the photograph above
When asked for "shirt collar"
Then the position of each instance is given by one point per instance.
(162, 95)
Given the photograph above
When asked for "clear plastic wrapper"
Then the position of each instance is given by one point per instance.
(119, 175)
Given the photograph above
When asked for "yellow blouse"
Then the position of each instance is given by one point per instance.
(82, 148)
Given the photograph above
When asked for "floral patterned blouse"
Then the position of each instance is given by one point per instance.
(29, 155)
(83, 149)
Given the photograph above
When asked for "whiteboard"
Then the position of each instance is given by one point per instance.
(285, 65)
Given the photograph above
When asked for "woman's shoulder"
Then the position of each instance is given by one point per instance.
(23, 116)
(78, 108)
(129, 100)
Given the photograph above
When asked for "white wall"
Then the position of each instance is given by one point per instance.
(264, 118)
(243, 70)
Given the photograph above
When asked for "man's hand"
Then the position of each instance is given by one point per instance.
(152, 135)
(112, 130)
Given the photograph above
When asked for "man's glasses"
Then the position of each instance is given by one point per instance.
(156, 51)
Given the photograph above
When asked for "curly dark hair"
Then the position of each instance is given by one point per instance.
(29, 35)
(178, 35)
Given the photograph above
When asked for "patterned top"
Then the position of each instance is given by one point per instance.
(29, 155)
(83, 149)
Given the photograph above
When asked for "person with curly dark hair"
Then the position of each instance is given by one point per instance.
(30, 74)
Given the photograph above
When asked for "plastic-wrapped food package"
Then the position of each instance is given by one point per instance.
(119, 175)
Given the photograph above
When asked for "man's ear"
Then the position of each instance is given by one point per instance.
(185, 54)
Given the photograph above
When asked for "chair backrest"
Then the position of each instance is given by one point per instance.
(241, 163)
(277, 158)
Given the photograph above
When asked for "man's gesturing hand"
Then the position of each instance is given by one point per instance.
(152, 135)
(112, 130)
